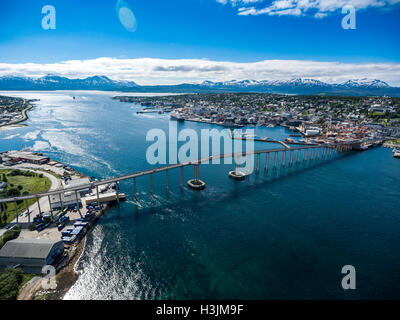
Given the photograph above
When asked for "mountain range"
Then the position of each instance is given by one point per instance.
(294, 86)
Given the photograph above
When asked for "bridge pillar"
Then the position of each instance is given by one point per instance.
(291, 158)
(297, 156)
(61, 202)
(97, 195)
(135, 190)
(40, 211)
(181, 177)
(275, 159)
(166, 181)
(77, 203)
(283, 159)
(196, 183)
(117, 192)
(266, 166)
(151, 186)
(16, 211)
(258, 162)
(27, 211)
(51, 210)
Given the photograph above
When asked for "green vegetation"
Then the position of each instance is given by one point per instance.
(10, 235)
(11, 281)
(20, 182)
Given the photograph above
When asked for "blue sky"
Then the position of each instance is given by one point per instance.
(236, 31)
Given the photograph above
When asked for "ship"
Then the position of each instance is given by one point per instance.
(177, 116)
(361, 147)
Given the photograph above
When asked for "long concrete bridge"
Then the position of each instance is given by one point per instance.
(290, 157)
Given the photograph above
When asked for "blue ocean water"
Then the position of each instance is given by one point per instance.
(282, 235)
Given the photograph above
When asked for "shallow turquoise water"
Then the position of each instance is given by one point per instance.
(283, 235)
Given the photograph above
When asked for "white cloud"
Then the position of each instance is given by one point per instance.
(162, 71)
(316, 8)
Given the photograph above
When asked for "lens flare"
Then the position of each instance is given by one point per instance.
(126, 16)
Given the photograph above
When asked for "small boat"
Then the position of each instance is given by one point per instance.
(396, 153)
(361, 147)
(290, 140)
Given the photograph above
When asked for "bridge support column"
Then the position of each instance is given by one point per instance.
(51, 210)
(61, 202)
(16, 211)
(151, 186)
(77, 203)
(291, 158)
(275, 159)
(166, 181)
(38, 203)
(27, 211)
(181, 177)
(266, 166)
(297, 156)
(97, 195)
(135, 190)
(283, 159)
(196, 183)
(258, 162)
(117, 192)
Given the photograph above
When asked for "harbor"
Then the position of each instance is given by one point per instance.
(193, 244)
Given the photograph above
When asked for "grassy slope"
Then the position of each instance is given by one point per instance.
(32, 185)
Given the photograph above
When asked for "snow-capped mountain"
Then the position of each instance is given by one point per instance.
(290, 86)
(305, 86)
(374, 83)
(54, 82)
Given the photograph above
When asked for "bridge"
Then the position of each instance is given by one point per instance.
(289, 157)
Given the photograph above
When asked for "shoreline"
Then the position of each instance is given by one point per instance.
(25, 117)
(66, 274)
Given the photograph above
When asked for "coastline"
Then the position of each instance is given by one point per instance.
(66, 274)
(24, 117)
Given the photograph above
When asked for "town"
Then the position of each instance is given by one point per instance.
(316, 118)
(13, 110)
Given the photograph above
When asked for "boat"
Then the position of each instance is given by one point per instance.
(290, 140)
(177, 116)
(396, 153)
(361, 147)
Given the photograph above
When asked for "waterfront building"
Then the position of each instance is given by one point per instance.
(30, 254)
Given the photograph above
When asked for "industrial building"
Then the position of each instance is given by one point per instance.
(26, 156)
(31, 255)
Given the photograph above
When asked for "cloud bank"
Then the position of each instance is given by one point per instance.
(146, 71)
(315, 8)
